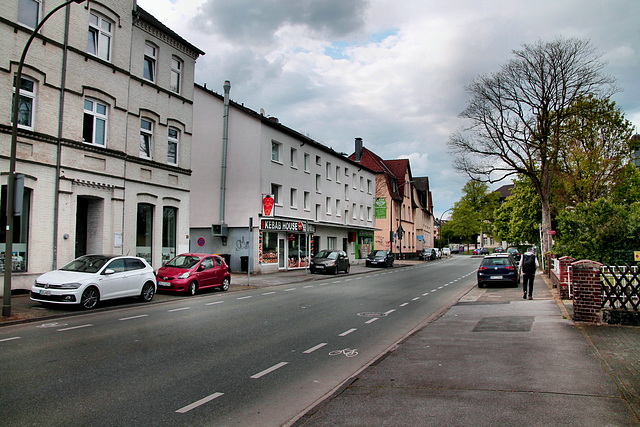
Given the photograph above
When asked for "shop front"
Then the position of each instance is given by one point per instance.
(364, 243)
(284, 244)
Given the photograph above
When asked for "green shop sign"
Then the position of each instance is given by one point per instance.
(381, 208)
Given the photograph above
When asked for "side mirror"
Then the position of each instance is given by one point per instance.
(108, 271)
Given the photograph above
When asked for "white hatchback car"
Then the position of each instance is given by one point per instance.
(93, 278)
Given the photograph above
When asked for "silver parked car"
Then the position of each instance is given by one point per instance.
(93, 278)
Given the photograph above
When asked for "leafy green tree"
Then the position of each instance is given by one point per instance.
(474, 212)
(602, 231)
(518, 218)
(516, 114)
(595, 152)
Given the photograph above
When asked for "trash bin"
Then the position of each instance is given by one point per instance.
(244, 263)
(227, 260)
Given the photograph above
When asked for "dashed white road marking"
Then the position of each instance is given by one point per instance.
(247, 297)
(308, 286)
(345, 333)
(10, 339)
(134, 317)
(268, 293)
(199, 403)
(390, 311)
(268, 371)
(404, 304)
(312, 349)
(179, 309)
(371, 320)
(415, 299)
(290, 289)
(214, 303)
(74, 327)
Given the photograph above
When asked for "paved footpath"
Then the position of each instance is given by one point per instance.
(496, 359)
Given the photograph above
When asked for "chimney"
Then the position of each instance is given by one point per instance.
(358, 149)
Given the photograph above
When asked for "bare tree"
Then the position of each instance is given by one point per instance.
(517, 114)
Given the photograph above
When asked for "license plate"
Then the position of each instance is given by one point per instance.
(319, 267)
(45, 293)
(495, 277)
(164, 284)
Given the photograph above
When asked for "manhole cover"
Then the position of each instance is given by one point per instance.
(372, 314)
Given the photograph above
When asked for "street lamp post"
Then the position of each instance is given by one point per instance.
(8, 252)
(440, 224)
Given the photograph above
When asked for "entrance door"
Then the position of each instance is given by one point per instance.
(82, 208)
(282, 259)
(89, 225)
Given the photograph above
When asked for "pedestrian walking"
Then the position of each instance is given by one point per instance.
(528, 266)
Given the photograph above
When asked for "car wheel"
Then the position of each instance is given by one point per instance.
(225, 284)
(480, 285)
(192, 289)
(346, 270)
(148, 291)
(89, 298)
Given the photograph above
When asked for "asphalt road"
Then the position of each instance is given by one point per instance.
(259, 357)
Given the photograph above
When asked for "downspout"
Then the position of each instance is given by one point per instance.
(63, 85)
(225, 140)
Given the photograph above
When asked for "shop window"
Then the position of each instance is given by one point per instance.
(20, 233)
(297, 251)
(169, 222)
(144, 232)
(269, 248)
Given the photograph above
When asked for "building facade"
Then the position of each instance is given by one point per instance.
(404, 221)
(320, 198)
(105, 125)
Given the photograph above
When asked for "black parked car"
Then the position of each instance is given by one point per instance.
(498, 268)
(330, 262)
(428, 254)
(380, 259)
(515, 253)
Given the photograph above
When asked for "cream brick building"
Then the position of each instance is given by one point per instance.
(104, 139)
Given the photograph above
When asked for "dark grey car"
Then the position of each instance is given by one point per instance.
(330, 261)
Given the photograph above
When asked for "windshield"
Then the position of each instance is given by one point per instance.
(183, 261)
(87, 263)
(327, 254)
(379, 253)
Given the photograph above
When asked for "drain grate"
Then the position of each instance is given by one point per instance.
(372, 314)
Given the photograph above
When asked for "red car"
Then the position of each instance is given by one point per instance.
(190, 273)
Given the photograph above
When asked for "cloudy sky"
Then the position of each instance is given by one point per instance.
(392, 72)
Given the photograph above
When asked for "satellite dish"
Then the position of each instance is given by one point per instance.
(262, 112)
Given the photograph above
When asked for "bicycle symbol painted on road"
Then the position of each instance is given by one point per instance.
(349, 352)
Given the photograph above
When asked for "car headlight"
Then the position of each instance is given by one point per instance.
(184, 275)
(69, 286)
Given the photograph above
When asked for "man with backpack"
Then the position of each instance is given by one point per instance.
(528, 266)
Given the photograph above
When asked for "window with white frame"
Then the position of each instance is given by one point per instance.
(332, 243)
(368, 186)
(100, 35)
(276, 151)
(328, 171)
(318, 181)
(94, 125)
(307, 201)
(29, 12)
(176, 74)
(354, 181)
(26, 102)
(361, 183)
(294, 158)
(276, 190)
(318, 160)
(318, 212)
(307, 160)
(361, 212)
(338, 174)
(150, 55)
(328, 205)
(338, 207)
(346, 191)
(146, 138)
(173, 137)
(369, 216)
(293, 198)
(354, 211)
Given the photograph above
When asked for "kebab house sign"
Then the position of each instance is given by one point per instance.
(277, 225)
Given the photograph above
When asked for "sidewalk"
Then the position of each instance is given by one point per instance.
(496, 359)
